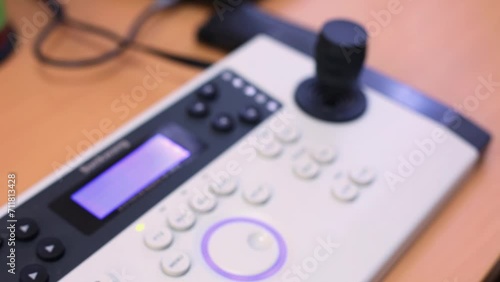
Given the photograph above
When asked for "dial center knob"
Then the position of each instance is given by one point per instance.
(334, 93)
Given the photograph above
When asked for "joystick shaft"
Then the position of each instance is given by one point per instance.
(334, 93)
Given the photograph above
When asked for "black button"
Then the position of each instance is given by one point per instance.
(208, 92)
(250, 115)
(198, 110)
(26, 229)
(223, 123)
(50, 249)
(34, 273)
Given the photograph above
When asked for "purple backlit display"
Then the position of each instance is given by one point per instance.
(132, 174)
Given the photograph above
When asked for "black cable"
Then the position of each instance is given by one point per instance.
(61, 18)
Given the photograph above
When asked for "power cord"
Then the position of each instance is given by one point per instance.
(123, 43)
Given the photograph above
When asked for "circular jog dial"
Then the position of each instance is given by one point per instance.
(243, 249)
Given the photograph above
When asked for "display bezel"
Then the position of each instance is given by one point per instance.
(85, 221)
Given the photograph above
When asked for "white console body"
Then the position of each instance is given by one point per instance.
(345, 199)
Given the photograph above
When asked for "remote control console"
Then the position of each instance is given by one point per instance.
(270, 166)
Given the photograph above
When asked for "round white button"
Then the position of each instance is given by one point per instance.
(257, 195)
(225, 187)
(243, 249)
(175, 263)
(363, 176)
(306, 168)
(158, 239)
(288, 134)
(324, 154)
(181, 219)
(203, 202)
(344, 190)
(270, 149)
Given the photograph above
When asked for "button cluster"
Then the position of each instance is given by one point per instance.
(200, 108)
(181, 219)
(48, 249)
(346, 187)
(224, 122)
(308, 165)
(270, 144)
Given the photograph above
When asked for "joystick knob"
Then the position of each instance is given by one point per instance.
(334, 94)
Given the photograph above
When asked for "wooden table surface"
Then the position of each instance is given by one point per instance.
(444, 48)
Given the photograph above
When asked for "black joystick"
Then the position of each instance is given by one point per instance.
(334, 94)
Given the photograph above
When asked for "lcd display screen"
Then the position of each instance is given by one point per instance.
(129, 176)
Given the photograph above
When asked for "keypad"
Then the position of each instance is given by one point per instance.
(209, 98)
(49, 249)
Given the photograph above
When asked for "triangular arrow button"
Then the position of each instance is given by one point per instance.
(33, 275)
(49, 248)
(24, 228)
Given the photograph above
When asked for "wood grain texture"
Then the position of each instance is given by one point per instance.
(441, 47)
